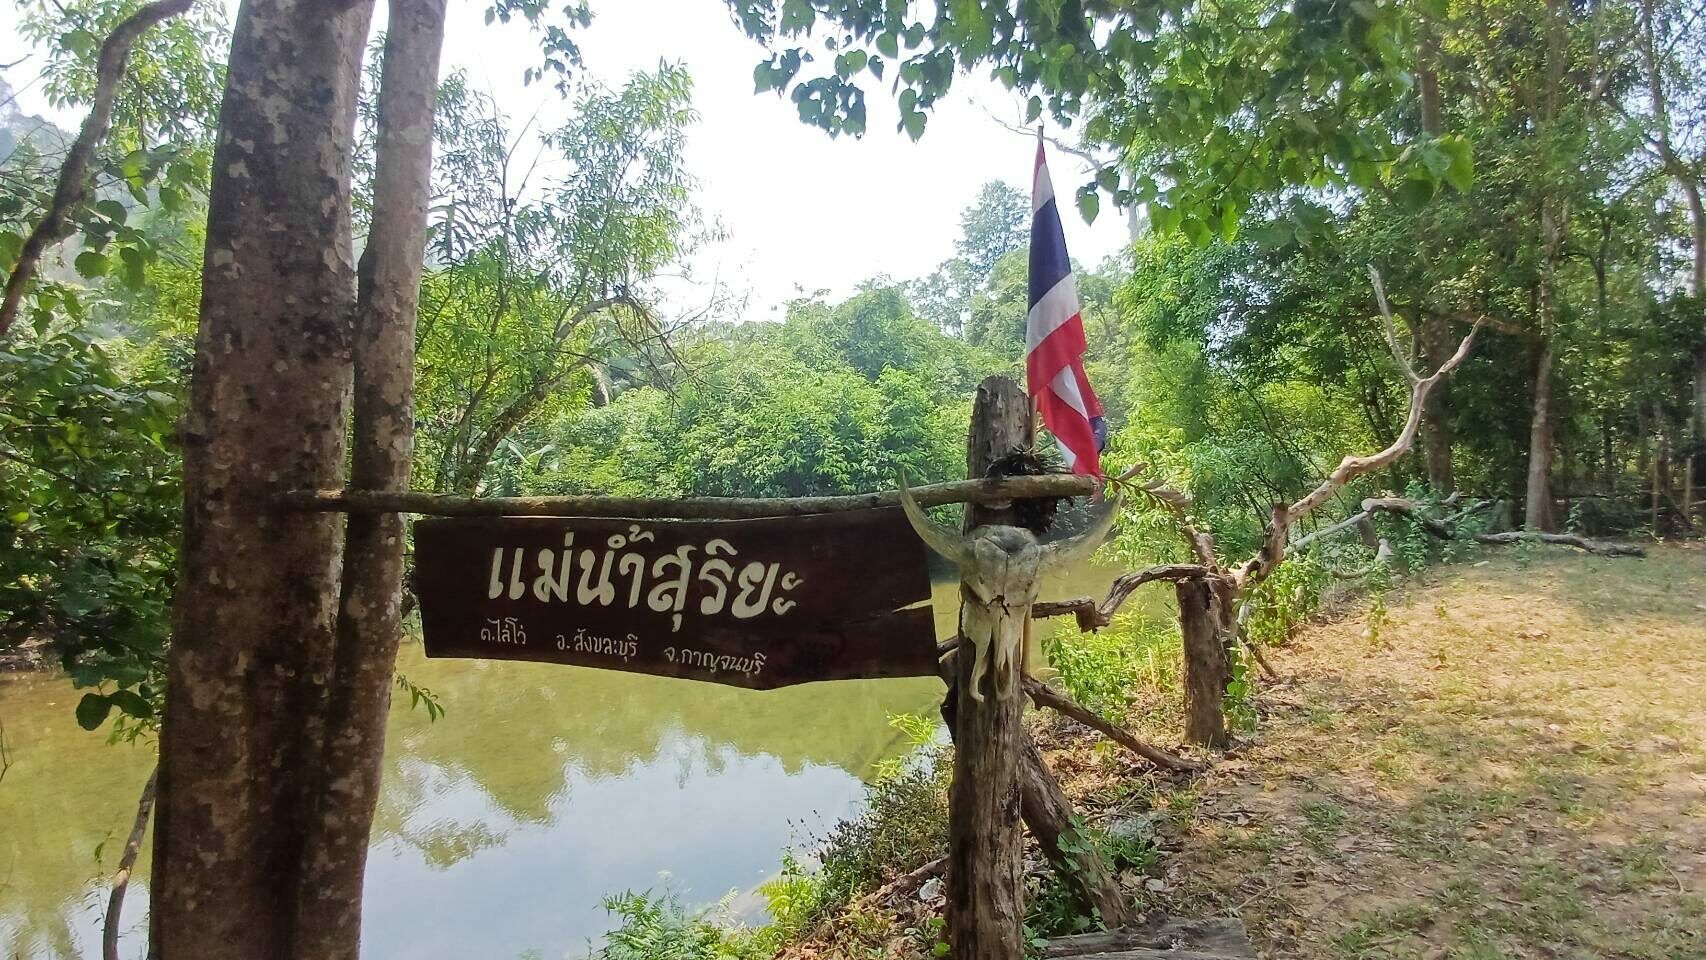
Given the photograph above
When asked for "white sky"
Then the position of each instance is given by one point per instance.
(800, 211)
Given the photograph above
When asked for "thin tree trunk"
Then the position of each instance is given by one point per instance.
(1206, 669)
(1437, 436)
(254, 616)
(1537, 514)
(1434, 332)
(985, 879)
(1608, 456)
(370, 609)
(127, 863)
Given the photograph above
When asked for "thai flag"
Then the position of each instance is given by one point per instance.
(1054, 338)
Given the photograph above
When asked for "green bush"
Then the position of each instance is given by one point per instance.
(655, 927)
(1101, 669)
(904, 826)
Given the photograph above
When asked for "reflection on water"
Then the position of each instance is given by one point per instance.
(500, 827)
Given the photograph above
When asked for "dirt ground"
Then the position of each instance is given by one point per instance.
(1511, 763)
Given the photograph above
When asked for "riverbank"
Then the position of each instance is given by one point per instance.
(1501, 758)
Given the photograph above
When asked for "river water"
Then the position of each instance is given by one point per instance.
(501, 826)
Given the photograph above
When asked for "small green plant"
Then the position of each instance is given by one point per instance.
(904, 825)
(794, 898)
(419, 697)
(656, 927)
(1240, 700)
(1286, 599)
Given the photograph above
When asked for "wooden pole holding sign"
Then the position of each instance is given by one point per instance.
(985, 878)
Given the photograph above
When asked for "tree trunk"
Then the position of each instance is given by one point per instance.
(1697, 459)
(1206, 669)
(1437, 347)
(1607, 456)
(254, 616)
(1537, 514)
(1049, 815)
(985, 880)
(358, 691)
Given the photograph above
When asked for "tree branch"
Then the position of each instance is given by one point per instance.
(127, 863)
(1044, 695)
(692, 508)
(1257, 568)
(1092, 616)
(74, 173)
(1447, 530)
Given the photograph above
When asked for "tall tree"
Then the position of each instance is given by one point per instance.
(541, 284)
(276, 690)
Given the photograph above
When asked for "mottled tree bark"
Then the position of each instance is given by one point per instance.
(358, 691)
(1206, 668)
(985, 881)
(254, 617)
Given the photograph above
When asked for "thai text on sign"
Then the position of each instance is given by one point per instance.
(753, 603)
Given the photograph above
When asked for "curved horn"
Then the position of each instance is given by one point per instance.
(1076, 550)
(938, 537)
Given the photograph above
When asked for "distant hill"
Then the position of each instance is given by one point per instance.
(18, 127)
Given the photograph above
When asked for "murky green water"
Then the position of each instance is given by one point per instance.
(501, 826)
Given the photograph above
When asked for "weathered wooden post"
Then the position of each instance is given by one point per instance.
(985, 881)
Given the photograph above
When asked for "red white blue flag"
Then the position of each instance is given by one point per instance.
(1054, 338)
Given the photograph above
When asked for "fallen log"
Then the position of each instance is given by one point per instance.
(1166, 940)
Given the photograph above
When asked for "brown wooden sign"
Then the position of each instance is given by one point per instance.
(752, 603)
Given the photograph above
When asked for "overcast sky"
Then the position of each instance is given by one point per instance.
(800, 211)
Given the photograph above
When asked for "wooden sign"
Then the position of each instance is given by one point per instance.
(752, 603)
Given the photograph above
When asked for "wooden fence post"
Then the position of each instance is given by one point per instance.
(985, 879)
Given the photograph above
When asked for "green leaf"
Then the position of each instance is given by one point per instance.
(1033, 109)
(92, 711)
(913, 124)
(131, 703)
(1461, 173)
(112, 210)
(91, 264)
(1196, 231)
(1414, 193)
(888, 45)
(1089, 203)
(135, 265)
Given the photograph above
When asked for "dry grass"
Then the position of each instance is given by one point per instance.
(1512, 765)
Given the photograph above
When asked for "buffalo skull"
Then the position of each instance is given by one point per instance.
(1001, 567)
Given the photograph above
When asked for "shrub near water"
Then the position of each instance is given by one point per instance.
(1106, 669)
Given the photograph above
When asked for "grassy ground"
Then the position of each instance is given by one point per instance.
(1512, 764)
(1503, 758)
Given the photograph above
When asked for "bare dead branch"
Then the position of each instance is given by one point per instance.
(906, 882)
(1257, 568)
(1604, 548)
(74, 173)
(1447, 529)
(127, 863)
(1044, 695)
(1092, 615)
